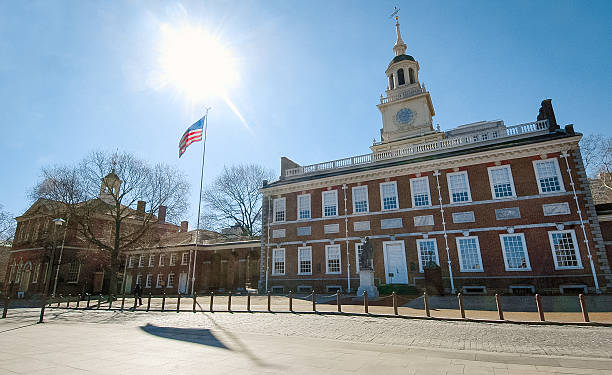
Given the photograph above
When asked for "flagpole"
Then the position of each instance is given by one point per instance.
(195, 253)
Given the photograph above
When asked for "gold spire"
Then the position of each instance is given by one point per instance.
(400, 47)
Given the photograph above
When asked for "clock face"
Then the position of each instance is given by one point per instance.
(404, 116)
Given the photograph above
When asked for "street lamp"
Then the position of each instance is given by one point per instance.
(58, 223)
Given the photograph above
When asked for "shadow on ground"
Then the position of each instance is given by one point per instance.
(194, 335)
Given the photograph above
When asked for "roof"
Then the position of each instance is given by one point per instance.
(401, 58)
(205, 238)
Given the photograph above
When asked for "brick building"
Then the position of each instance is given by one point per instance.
(498, 208)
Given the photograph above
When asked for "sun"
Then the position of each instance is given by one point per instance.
(195, 62)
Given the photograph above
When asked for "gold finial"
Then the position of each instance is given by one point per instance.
(395, 14)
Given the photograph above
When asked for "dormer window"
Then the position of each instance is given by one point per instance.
(391, 83)
(400, 77)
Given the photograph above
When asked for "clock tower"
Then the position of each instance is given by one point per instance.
(407, 109)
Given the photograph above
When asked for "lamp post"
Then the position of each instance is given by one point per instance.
(59, 222)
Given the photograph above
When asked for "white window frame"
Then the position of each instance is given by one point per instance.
(327, 259)
(527, 262)
(420, 256)
(300, 208)
(450, 190)
(357, 246)
(367, 199)
(457, 239)
(323, 194)
(185, 259)
(160, 280)
(274, 261)
(131, 261)
(139, 279)
(412, 181)
(300, 249)
(276, 209)
(151, 260)
(78, 273)
(576, 250)
(170, 277)
(149, 280)
(382, 197)
(557, 170)
(36, 273)
(162, 260)
(140, 261)
(505, 166)
(172, 261)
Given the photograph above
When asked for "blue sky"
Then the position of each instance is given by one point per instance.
(76, 76)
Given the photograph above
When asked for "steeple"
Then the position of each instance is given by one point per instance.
(400, 47)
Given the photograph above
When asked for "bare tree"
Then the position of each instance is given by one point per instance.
(234, 199)
(596, 152)
(100, 198)
(7, 225)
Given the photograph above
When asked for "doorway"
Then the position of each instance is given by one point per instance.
(396, 271)
(182, 283)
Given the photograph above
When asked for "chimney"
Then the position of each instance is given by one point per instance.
(184, 226)
(140, 207)
(161, 214)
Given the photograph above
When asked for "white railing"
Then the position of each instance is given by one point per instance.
(530, 128)
(411, 91)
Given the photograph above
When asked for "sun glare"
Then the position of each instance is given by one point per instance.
(195, 62)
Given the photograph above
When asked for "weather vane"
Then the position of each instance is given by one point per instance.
(395, 13)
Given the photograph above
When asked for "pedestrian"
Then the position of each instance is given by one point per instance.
(137, 295)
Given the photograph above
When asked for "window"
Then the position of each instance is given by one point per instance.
(151, 260)
(565, 250)
(474, 290)
(170, 283)
(400, 77)
(360, 199)
(12, 273)
(502, 184)
(573, 289)
(419, 188)
(303, 202)
(411, 75)
(522, 290)
(391, 83)
(162, 259)
(279, 209)
(332, 259)
(172, 259)
(278, 290)
(131, 262)
(388, 196)
(278, 261)
(330, 203)
(515, 252)
(304, 289)
(333, 288)
(469, 254)
(358, 250)
(36, 272)
(160, 280)
(548, 176)
(428, 252)
(459, 187)
(45, 272)
(18, 275)
(149, 280)
(139, 279)
(74, 269)
(305, 260)
(140, 261)
(185, 259)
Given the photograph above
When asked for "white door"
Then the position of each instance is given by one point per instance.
(128, 284)
(182, 283)
(396, 271)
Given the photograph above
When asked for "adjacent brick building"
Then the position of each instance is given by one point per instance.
(499, 208)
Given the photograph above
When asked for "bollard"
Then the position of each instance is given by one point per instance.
(394, 303)
(110, 302)
(500, 311)
(538, 299)
(426, 302)
(79, 300)
(461, 308)
(195, 301)
(229, 301)
(339, 301)
(88, 299)
(583, 306)
(248, 302)
(212, 295)
(290, 301)
(122, 301)
(42, 310)
(178, 303)
(366, 304)
(149, 302)
(314, 302)
(163, 301)
(99, 300)
(269, 302)
(68, 301)
(6, 303)
(58, 300)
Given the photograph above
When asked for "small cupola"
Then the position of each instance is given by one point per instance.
(403, 70)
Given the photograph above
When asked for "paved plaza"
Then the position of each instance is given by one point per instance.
(109, 342)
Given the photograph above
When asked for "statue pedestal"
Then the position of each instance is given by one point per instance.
(366, 283)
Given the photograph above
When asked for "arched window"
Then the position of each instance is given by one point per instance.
(400, 77)
(411, 75)
(391, 84)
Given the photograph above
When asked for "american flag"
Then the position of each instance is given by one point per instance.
(192, 134)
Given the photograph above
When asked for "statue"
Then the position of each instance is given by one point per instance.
(366, 257)
(366, 271)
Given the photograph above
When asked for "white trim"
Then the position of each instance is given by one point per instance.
(467, 183)
(382, 205)
(168, 285)
(160, 277)
(162, 260)
(323, 194)
(357, 244)
(385, 259)
(457, 240)
(151, 260)
(172, 261)
(149, 280)
(367, 198)
(299, 268)
(576, 250)
(298, 207)
(184, 261)
(416, 179)
(509, 168)
(557, 171)
(279, 251)
(524, 244)
(327, 247)
(418, 245)
(276, 209)
(140, 260)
